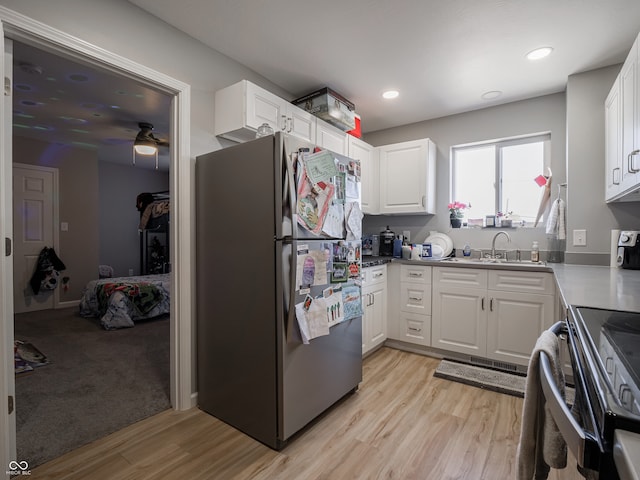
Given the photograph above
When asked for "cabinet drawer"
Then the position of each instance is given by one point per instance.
(415, 328)
(516, 281)
(415, 298)
(374, 275)
(415, 274)
(460, 277)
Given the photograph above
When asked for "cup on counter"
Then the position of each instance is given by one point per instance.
(406, 252)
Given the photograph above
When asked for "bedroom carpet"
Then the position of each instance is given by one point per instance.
(97, 381)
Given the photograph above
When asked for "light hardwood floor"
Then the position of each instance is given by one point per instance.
(402, 424)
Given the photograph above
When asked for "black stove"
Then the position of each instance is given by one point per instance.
(614, 338)
(604, 346)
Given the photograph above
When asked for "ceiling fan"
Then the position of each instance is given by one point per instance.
(146, 143)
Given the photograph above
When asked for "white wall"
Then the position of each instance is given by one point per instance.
(541, 114)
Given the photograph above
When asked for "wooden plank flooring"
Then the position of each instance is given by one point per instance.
(401, 424)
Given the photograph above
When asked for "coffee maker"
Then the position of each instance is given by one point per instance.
(629, 250)
(386, 242)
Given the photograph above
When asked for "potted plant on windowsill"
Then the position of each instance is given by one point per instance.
(456, 213)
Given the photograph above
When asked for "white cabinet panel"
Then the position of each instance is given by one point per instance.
(459, 321)
(496, 314)
(622, 131)
(369, 174)
(331, 138)
(374, 303)
(515, 322)
(407, 177)
(242, 107)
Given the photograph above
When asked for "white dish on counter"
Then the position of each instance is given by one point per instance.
(442, 240)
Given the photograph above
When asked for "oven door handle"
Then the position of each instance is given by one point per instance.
(571, 430)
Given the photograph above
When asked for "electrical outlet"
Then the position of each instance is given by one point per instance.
(579, 238)
(130, 271)
(407, 235)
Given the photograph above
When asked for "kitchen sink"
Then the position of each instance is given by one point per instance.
(497, 261)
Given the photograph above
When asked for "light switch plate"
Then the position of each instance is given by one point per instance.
(579, 238)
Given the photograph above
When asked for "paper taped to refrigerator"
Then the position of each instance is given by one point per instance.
(354, 217)
(352, 302)
(313, 203)
(320, 167)
(311, 268)
(334, 222)
(312, 318)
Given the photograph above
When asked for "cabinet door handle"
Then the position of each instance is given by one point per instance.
(424, 201)
(290, 123)
(373, 298)
(630, 162)
(482, 304)
(284, 123)
(616, 170)
(491, 305)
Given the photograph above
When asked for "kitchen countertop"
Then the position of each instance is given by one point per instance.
(598, 287)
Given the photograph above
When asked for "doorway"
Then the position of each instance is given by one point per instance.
(23, 29)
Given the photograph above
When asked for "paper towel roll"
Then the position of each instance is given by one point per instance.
(615, 234)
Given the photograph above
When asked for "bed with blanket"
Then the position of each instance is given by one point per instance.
(121, 301)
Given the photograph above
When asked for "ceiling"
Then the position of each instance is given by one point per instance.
(441, 55)
(66, 103)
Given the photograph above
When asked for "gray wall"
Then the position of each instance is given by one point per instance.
(78, 205)
(119, 185)
(586, 208)
(542, 114)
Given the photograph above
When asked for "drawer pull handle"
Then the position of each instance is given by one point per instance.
(417, 299)
(413, 329)
(415, 274)
(377, 275)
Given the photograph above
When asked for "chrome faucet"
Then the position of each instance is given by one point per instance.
(493, 243)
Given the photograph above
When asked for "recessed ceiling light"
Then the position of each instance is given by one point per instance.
(493, 94)
(389, 94)
(539, 53)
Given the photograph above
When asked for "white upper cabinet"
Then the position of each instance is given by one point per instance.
(622, 134)
(370, 189)
(613, 142)
(242, 107)
(331, 138)
(407, 177)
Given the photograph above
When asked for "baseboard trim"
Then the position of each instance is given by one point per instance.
(70, 303)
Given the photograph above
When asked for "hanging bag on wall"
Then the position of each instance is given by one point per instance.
(47, 271)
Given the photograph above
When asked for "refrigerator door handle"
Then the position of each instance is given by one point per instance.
(289, 288)
(289, 196)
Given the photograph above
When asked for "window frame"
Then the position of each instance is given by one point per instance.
(499, 145)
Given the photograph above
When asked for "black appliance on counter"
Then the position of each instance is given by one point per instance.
(629, 250)
(604, 347)
(386, 242)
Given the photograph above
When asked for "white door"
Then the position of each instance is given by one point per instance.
(34, 212)
(7, 379)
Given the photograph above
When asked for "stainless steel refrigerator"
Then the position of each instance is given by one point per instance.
(278, 259)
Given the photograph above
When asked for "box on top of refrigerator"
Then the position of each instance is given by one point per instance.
(330, 107)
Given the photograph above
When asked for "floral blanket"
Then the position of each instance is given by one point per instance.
(119, 302)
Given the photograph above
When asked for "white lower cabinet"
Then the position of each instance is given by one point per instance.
(495, 314)
(411, 317)
(374, 304)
